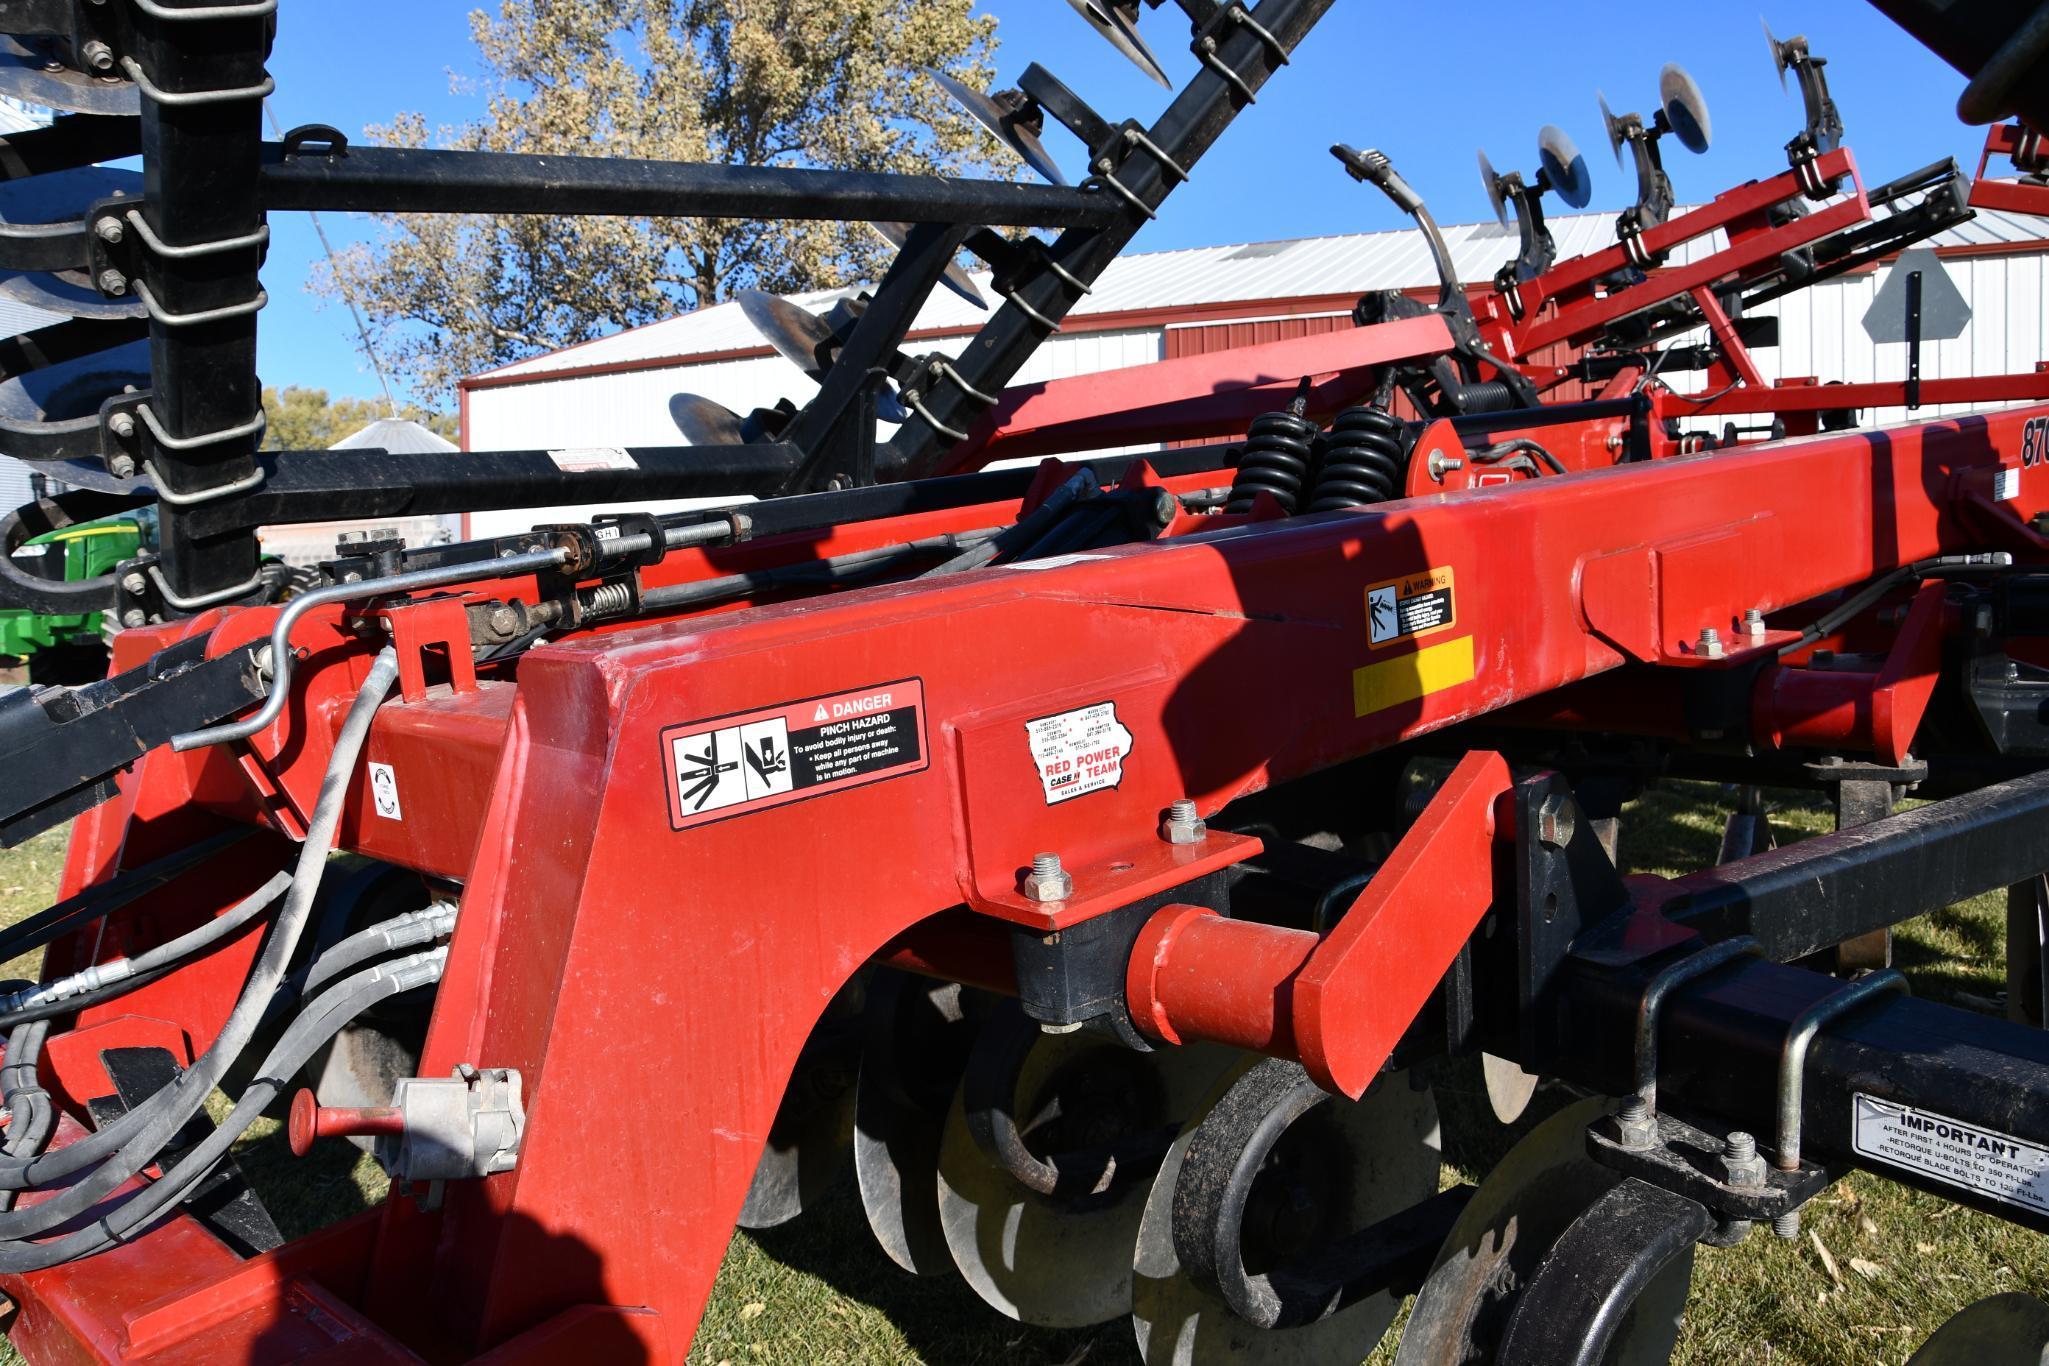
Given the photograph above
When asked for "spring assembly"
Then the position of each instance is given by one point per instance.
(1365, 460)
(606, 600)
(1278, 452)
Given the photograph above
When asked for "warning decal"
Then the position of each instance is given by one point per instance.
(1417, 605)
(751, 761)
(2007, 1169)
(1079, 752)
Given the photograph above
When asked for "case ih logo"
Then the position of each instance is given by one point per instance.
(2035, 442)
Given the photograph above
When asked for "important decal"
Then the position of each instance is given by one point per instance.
(1079, 752)
(1414, 605)
(735, 765)
(1969, 1156)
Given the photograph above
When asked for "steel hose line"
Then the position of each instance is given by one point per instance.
(282, 658)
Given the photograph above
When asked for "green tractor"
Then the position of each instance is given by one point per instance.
(66, 648)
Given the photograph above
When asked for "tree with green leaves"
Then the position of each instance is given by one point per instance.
(302, 419)
(820, 83)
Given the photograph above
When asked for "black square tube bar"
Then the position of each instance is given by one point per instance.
(314, 176)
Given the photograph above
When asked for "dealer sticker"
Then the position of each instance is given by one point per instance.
(1972, 1157)
(1079, 752)
(1414, 605)
(590, 459)
(751, 761)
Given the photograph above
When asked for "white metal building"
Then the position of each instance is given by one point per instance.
(1155, 306)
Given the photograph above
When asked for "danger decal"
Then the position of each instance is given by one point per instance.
(1078, 752)
(1412, 606)
(735, 765)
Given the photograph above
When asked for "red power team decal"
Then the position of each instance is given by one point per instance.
(753, 760)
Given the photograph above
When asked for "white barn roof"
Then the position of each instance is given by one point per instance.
(1200, 277)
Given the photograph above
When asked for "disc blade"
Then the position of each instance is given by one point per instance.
(917, 1046)
(50, 416)
(1391, 1141)
(1509, 1088)
(2003, 1330)
(705, 423)
(1049, 1262)
(1614, 126)
(1117, 27)
(1778, 51)
(34, 74)
(42, 217)
(955, 279)
(813, 1130)
(1492, 181)
(1002, 124)
(1565, 167)
(1686, 108)
(800, 337)
(1530, 1198)
(66, 292)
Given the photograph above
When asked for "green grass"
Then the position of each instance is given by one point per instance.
(818, 1292)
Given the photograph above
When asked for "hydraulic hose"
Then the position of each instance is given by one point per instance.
(54, 998)
(406, 931)
(307, 1035)
(144, 1132)
(30, 1114)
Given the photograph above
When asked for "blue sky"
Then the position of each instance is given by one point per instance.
(1371, 74)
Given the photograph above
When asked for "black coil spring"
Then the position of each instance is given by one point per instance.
(1278, 452)
(1365, 460)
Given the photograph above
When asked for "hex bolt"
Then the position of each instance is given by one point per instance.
(134, 584)
(98, 55)
(122, 425)
(1047, 881)
(504, 620)
(1557, 822)
(1635, 1126)
(1710, 646)
(1442, 464)
(111, 231)
(1753, 626)
(113, 282)
(133, 618)
(121, 467)
(1741, 1166)
(1184, 823)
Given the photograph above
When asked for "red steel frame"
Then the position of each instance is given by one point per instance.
(2024, 146)
(1582, 304)
(654, 986)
